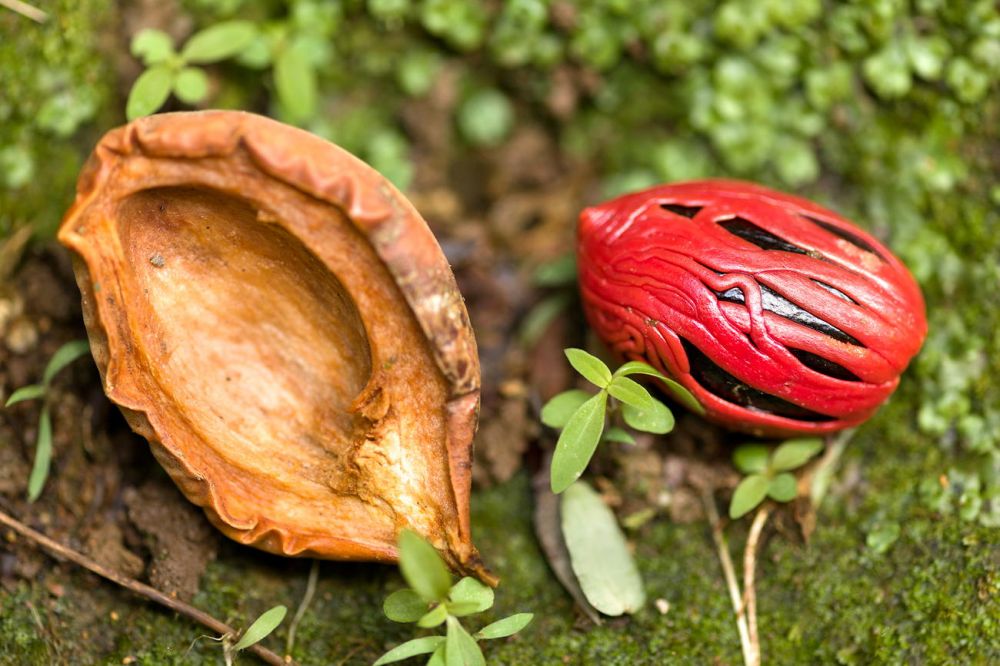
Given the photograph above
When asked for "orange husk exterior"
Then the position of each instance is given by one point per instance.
(208, 238)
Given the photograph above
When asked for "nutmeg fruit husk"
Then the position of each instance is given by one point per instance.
(280, 324)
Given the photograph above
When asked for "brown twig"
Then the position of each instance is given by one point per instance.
(749, 573)
(729, 572)
(58, 550)
(25, 10)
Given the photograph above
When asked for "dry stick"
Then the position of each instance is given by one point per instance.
(25, 10)
(749, 572)
(57, 549)
(303, 605)
(730, 575)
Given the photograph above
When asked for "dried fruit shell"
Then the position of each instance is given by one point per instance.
(281, 325)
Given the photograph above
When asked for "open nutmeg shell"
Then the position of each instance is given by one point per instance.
(281, 325)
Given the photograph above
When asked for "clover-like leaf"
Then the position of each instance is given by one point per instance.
(751, 492)
(658, 420)
(152, 46)
(404, 606)
(461, 648)
(149, 92)
(508, 626)
(592, 368)
(191, 85)
(219, 41)
(631, 393)
(470, 591)
(412, 648)
(783, 487)
(557, 411)
(577, 442)
(261, 627)
(794, 453)
(434, 617)
(29, 392)
(750, 458)
(422, 567)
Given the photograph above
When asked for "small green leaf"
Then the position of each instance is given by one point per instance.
(540, 316)
(471, 591)
(783, 487)
(751, 492)
(218, 42)
(599, 553)
(65, 355)
(577, 442)
(191, 85)
(261, 628)
(434, 617)
(43, 456)
(588, 365)
(750, 458)
(659, 420)
(411, 648)
(631, 393)
(508, 626)
(560, 272)
(404, 606)
(882, 537)
(152, 46)
(149, 92)
(677, 391)
(29, 392)
(422, 567)
(461, 648)
(794, 453)
(438, 658)
(485, 118)
(620, 435)
(557, 411)
(295, 81)
(638, 368)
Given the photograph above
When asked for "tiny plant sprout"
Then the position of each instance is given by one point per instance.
(261, 628)
(432, 600)
(65, 355)
(769, 474)
(583, 417)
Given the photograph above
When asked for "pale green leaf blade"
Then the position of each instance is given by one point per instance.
(404, 606)
(471, 591)
(794, 453)
(508, 626)
(620, 435)
(783, 487)
(560, 272)
(438, 658)
(538, 319)
(557, 412)
(434, 617)
(599, 554)
(577, 442)
(751, 492)
(43, 456)
(65, 355)
(411, 648)
(631, 393)
(261, 627)
(29, 392)
(422, 567)
(638, 368)
(683, 396)
(588, 365)
(152, 46)
(191, 85)
(751, 458)
(461, 648)
(149, 92)
(659, 420)
(218, 42)
(295, 81)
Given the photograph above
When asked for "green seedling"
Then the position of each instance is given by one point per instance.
(769, 473)
(432, 600)
(583, 417)
(65, 355)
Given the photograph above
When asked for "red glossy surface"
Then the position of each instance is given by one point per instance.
(834, 295)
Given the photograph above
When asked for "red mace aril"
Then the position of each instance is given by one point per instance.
(780, 316)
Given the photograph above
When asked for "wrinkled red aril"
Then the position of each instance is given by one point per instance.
(780, 316)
